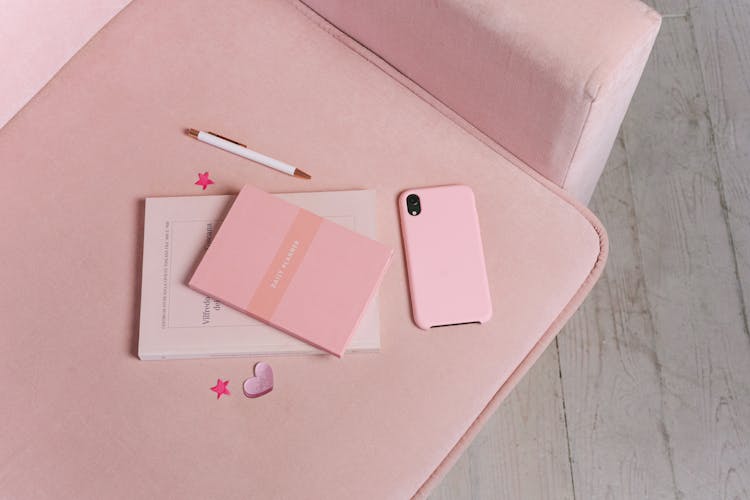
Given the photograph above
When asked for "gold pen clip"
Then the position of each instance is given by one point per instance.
(228, 139)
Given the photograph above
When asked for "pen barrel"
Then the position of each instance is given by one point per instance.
(246, 153)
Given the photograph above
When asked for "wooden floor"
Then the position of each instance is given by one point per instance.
(646, 393)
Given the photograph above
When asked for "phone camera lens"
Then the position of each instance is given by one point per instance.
(413, 205)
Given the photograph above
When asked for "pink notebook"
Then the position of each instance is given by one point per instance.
(292, 269)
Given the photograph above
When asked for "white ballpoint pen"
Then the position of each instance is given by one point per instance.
(242, 150)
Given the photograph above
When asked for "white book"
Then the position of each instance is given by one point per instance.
(177, 322)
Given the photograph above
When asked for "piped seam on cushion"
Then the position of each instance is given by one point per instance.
(544, 341)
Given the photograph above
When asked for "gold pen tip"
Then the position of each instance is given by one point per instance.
(300, 173)
(192, 132)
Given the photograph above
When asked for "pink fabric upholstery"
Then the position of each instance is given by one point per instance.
(83, 418)
(579, 64)
(549, 81)
(37, 37)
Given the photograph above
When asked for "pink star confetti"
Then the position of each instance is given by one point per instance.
(203, 180)
(221, 388)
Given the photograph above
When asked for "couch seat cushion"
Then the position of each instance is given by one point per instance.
(84, 418)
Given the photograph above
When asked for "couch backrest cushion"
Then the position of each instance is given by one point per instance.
(525, 73)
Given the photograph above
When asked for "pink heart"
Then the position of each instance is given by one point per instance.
(261, 383)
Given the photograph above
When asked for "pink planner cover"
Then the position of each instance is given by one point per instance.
(293, 269)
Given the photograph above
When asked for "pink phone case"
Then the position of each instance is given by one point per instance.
(444, 257)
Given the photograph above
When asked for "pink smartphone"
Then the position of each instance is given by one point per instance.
(444, 256)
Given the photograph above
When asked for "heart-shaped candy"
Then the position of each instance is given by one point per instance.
(261, 383)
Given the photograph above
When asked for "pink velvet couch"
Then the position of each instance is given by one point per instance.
(521, 100)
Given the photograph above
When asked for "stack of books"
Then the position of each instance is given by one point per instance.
(260, 274)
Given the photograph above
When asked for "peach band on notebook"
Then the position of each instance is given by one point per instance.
(285, 263)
